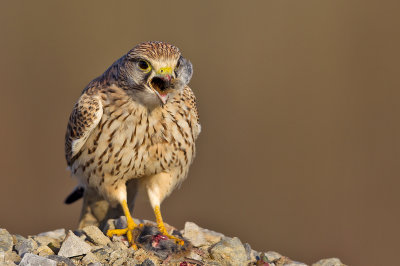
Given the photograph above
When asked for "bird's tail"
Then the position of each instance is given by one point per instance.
(75, 195)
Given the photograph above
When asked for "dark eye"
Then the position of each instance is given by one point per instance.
(179, 63)
(143, 65)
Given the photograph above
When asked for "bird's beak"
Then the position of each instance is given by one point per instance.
(161, 83)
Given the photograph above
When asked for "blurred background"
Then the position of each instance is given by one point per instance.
(298, 101)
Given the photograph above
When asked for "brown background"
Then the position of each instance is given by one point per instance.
(299, 106)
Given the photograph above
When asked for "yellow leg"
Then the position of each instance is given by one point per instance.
(126, 231)
(161, 226)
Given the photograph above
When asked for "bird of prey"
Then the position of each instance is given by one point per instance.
(137, 121)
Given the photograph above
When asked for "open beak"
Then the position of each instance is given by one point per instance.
(161, 84)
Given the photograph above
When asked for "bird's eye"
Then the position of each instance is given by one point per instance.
(143, 65)
(178, 64)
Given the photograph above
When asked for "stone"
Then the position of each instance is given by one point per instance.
(61, 260)
(96, 236)
(119, 245)
(12, 257)
(57, 234)
(6, 241)
(96, 264)
(32, 259)
(73, 246)
(272, 255)
(45, 240)
(18, 239)
(102, 254)
(26, 246)
(329, 262)
(194, 255)
(117, 254)
(44, 251)
(89, 258)
(199, 236)
(229, 251)
(147, 262)
(295, 263)
(251, 254)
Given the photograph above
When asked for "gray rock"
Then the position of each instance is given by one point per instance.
(329, 262)
(96, 264)
(121, 223)
(61, 260)
(102, 254)
(44, 251)
(5, 260)
(89, 258)
(6, 241)
(146, 262)
(251, 254)
(272, 255)
(117, 254)
(12, 257)
(199, 236)
(45, 240)
(96, 236)
(18, 239)
(32, 260)
(73, 246)
(229, 251)
(26, 246)
(294, 263)
(57, 234)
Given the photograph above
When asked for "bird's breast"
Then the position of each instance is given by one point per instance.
(131, 142)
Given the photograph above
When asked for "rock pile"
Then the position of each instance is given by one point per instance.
(90, 246)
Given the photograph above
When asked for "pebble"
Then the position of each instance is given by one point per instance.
(329, 262)
(44, 251)
(6, 241)
(73, 246)
(58, 234)
(96, 236)
(199, 236)
(26, 246)
(61, 260)
(90, 246)
(229, 251)
(89, 258)
(32, 259)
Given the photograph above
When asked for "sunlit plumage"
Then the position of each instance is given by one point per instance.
(137, 121)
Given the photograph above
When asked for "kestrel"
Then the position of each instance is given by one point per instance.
(137, 121)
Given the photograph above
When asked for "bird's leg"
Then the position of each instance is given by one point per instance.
(126, 231)
(158, 187)
(161, 226)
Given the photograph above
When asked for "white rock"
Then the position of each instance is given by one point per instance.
(59, 234)
(26, 246)
(230, 251)
(199, 236)
(6, 241)
(329, 262)
(33, 260)
(95, 235)
(73, 246)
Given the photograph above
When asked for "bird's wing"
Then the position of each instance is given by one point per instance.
(85, 116)
(192, 104)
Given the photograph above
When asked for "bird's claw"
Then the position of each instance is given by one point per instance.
(120, 232)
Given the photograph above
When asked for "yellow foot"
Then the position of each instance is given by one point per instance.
(120, 232)
(177, 239)
(162, 229)
(126, 231)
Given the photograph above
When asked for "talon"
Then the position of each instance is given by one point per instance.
(126, 231)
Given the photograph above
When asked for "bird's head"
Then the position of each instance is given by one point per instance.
(155, 72)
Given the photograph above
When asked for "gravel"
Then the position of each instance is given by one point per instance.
(90, 246)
